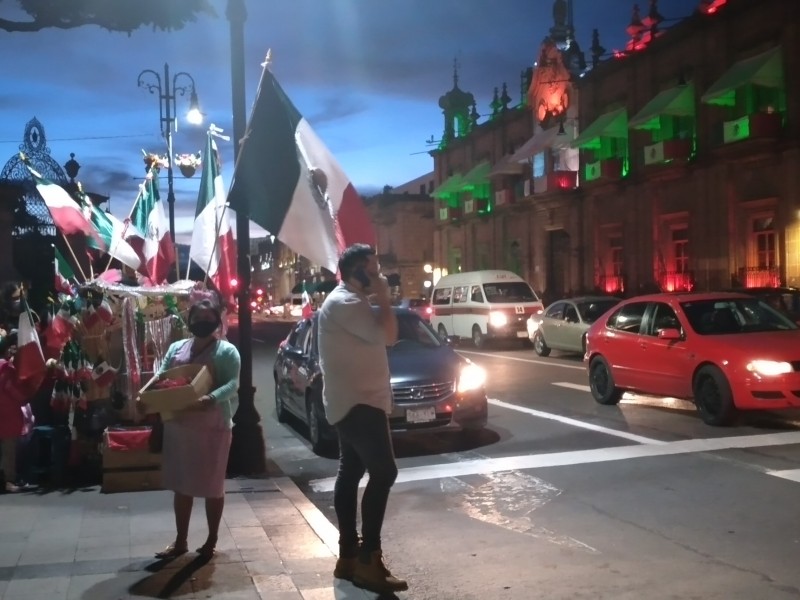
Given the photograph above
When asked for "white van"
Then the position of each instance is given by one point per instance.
(483, 305)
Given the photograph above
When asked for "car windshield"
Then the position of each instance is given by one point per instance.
(513, 291)
(592, 310)
(411, 328)
(738, 315)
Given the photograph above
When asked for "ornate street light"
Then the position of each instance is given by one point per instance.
(168, 90)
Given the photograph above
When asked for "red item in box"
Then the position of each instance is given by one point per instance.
(128, 440)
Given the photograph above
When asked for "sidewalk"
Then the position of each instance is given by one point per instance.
(274, 543)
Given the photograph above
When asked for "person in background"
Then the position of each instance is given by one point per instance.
(10, 305)
(197, 441)
(357, 395)
(15, 412)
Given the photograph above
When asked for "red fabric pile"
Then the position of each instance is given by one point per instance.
(166, 384)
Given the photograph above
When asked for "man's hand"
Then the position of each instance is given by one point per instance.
(382, 292)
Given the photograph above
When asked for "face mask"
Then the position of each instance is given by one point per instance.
(203, 329)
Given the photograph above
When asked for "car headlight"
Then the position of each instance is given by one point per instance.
(498, 319)
(533, 325)
(769, 367)
(471, 378)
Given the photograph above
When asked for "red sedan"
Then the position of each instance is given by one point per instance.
(726, 351)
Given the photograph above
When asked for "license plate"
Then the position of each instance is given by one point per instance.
(421, 415)
(522, 334)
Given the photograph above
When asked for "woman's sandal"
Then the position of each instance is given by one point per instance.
(172, 551)
(207, 550)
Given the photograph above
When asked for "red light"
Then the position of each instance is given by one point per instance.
(429, 310)
(234, 283)
(253, 304)
(260, 292)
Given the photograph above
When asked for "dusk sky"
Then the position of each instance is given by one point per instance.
(367, 75)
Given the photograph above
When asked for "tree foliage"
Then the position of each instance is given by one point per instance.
(113, 15)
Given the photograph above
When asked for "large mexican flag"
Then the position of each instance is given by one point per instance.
(290, 184)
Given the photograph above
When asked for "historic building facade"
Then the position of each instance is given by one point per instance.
(670, 165)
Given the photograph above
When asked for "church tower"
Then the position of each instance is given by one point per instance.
(458, 108)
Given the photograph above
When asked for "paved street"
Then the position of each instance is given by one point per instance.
(564, 498)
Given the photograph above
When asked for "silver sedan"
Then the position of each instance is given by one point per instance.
(564, 324)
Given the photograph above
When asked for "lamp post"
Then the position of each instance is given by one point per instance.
(168, 90)
(248, 454)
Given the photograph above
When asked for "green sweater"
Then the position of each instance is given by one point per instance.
(227, 363)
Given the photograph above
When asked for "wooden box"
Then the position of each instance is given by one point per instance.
(176, 399)
(128, 465)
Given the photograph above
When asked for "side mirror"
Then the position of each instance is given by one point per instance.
(669, 334)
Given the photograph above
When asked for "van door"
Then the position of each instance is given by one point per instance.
(442, 315)
(462, 315)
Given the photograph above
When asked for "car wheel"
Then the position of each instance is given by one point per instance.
(478, 339)
(539, 345)
(713, 397)
(442, 331)
(316, 428)
(280, 409)
(601, 382)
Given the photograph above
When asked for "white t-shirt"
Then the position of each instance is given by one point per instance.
(352, 352)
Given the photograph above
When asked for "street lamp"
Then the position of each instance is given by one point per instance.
(167, 109)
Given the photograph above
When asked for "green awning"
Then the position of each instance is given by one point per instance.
(764, 69)
(448, 187)
(674, 102)
(612, 124)
(476, 176)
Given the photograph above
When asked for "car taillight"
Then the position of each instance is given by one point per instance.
(429, 310)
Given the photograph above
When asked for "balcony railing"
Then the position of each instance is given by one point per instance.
(609, 169)
(756, 126)
(667, 151)
(504, 197)
(675, 281)
(754, 277)
(611, 284)
(557, 180)
(447, 213)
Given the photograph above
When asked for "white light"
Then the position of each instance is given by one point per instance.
(194, 116)
(498, 319)
(472, 378)
(769, 367)
(426, 284)
(428, 269)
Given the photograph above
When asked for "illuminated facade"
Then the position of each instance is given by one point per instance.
(689, 156)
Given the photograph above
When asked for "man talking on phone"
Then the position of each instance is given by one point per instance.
(357, 395)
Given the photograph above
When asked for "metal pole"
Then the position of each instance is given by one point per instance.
(248, 454)
(168, 134)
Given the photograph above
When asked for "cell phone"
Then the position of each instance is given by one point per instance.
(361, 276)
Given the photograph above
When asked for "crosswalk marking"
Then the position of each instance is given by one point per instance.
(790, 474)
(525, 360)
(573, 386)
(579, 457)
(575, 422)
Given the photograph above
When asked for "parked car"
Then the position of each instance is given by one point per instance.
(433, 387)
(420, 306)
(726, 351)
(564, 324)
(783, 299)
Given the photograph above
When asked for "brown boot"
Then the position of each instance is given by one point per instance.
(375, 577)
(345, 568)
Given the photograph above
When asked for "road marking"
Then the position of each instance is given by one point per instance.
(790, 474)
(258, 340)
(526, 360)
(573, 386)
(580, 457)
(575, 422)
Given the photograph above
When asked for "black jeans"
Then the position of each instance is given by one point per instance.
(365, 445)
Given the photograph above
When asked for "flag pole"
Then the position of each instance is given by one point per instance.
(75, 258)
(248, 452)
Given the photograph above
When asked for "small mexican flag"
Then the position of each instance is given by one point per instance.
(29, 358)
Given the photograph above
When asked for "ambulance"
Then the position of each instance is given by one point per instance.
(483, 306)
